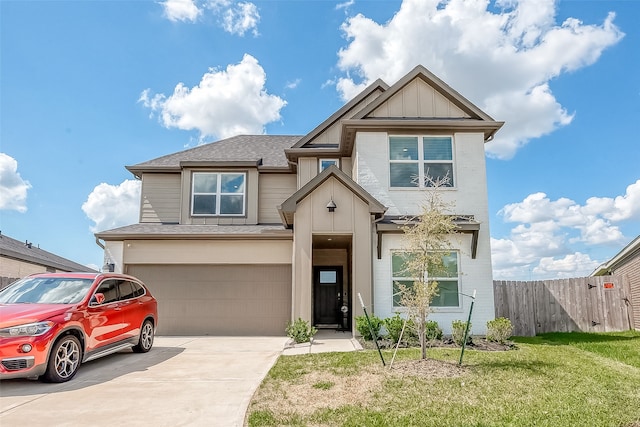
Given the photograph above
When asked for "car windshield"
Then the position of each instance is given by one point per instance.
(46, 290)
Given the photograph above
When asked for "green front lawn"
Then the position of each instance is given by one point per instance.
(550, 380)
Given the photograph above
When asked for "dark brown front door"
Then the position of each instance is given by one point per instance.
(327, 298)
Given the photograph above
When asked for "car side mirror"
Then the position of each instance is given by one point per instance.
(97, 299)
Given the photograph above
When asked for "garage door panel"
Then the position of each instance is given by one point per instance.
(219, 300)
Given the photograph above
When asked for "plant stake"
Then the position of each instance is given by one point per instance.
(466, 331)
(373, 334)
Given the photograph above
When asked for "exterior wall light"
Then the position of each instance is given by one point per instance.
(331, 206)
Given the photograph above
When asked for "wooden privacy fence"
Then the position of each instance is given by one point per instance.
(588, 304)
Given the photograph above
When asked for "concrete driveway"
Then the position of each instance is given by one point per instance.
(182, 381)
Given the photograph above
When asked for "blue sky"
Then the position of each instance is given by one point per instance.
(88, 87)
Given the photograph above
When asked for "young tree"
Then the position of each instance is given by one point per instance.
(426, 239)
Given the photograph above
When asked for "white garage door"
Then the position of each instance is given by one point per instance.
(219, 300)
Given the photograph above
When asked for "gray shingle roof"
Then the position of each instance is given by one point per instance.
(268, 149)
(12, 248)
(149, 230)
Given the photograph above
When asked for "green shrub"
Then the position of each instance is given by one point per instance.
(394, 325)
(300, 331)
(499, 330)
(458, 328)
(363, 327)
(432, 331)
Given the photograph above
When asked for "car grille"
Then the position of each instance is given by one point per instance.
(17, 364)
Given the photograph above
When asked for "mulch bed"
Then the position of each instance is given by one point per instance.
(475, 343)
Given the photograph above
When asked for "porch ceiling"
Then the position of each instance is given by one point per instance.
(325, 241)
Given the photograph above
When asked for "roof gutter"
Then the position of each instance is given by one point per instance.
(98, 243)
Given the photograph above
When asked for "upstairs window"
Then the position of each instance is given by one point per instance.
(325, 163)
(218, 194)
(419, 161)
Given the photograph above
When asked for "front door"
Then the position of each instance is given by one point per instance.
(327, 298)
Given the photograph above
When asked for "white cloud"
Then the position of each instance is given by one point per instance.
(235, 18)
(619, 209)
(13, 189)
(225, 102)
(513, 53)
(181, 10)
(572, 265)
(345, 5)
(542, 241)
(293, 84)
(241, 18)
(111, 206)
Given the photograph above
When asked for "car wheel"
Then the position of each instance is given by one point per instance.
(64, 360)
(146, 338)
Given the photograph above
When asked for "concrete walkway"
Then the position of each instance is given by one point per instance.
(326, 340)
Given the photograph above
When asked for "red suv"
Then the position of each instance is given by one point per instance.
(51, 323)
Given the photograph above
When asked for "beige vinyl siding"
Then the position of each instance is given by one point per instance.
(236, 299)
(330, 136)
(160, 197)
(346, 165)
(630, 272)
(418, 99)
(273, 190)
(307, 170)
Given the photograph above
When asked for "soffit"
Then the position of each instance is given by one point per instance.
(465, 224)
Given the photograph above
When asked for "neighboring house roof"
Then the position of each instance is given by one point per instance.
(27, 252)
(181, 231)
(288, 207)
(263, 151)
(625, 255)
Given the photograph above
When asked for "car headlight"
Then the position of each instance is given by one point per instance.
(27, 330)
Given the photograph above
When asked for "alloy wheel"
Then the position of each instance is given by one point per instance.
(67, 358)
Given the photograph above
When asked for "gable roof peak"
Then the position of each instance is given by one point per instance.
(421, 72)
(377, 85)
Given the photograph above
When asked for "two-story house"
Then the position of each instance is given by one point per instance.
(240, 236)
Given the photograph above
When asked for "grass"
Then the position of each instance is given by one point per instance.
(550, 380)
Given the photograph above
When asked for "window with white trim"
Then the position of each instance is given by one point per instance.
(418, 161)
(447, 277)
(325, 163)
(218, 194)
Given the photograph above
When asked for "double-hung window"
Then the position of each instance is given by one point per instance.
(218, 194)
(420, 161)
(447, 277)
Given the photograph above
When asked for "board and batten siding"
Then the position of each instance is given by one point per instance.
(418, 99)
(273, 190)
(160, 198)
